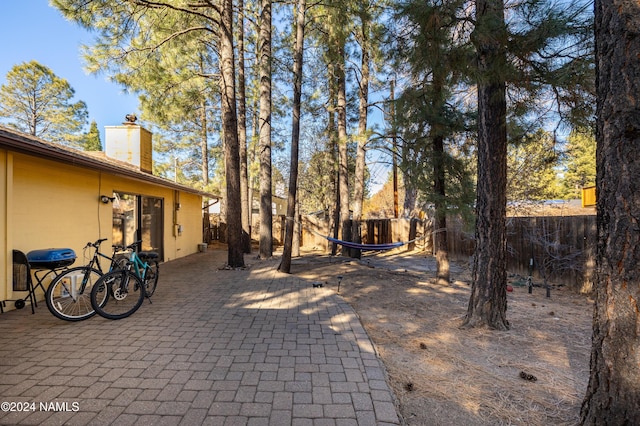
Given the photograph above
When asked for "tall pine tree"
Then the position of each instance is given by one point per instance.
(36, 101)
(92, 138)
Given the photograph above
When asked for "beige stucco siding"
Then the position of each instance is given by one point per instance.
(189, 218)
(56, 206)
(48, 204)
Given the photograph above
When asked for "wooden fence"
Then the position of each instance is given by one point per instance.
(373, 231)
(561, 248)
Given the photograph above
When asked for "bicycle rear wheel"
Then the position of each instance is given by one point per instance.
(69, 294)
(117, 294)
(151, 277)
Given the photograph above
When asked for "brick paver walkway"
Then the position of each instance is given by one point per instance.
(216, 347)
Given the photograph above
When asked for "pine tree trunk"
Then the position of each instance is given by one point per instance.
(285, 264)
(334, 211)
(410, 198)
(438, 131)
(266, 214)
(230, 130)
(488, 301)
(613, 394)
(440, 225)
(242, 136)
(343, 155)
(363, 109)
(297, 229)
(204, 146)
(204, 152)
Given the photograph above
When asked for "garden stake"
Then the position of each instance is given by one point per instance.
(529, 280)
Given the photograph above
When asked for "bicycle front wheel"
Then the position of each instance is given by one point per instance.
(69, 294)
(117, 294)
(151, 277)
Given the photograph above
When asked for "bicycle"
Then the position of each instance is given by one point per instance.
(68, 295)
(119, 293)
(147, 267)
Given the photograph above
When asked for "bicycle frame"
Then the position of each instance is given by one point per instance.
(133, 283)
(95, 259)
(139, 266)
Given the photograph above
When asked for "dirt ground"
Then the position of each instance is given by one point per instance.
(535, 374)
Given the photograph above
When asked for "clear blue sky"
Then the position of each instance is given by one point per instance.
(33, 30)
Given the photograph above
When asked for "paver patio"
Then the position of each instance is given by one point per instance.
(216, 347)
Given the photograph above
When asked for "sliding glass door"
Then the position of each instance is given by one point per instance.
(138, 217)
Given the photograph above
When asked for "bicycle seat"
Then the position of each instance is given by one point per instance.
(148, 255)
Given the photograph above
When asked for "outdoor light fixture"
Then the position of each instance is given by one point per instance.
(105, 199)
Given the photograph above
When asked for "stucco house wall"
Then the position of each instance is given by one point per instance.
(53, 200)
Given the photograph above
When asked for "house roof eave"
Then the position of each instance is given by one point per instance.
(29, 145)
